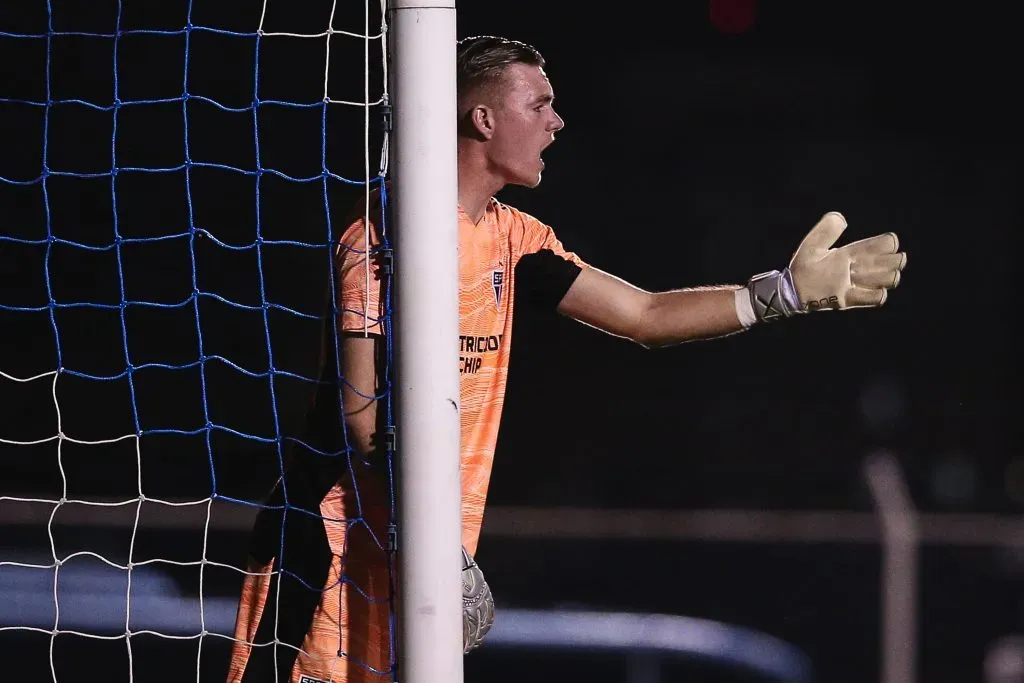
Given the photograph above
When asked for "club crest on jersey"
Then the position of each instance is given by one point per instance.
(497, 282)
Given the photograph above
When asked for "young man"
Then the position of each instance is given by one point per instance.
(329, 616)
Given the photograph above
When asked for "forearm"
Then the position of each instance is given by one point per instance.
(361, 426)
(683, 315)
(358, 392)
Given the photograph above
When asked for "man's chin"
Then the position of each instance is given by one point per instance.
(529, 183)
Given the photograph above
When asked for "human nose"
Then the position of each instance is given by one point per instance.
(558, 123)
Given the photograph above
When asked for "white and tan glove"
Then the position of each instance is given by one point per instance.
(477, 604)
(820, 277)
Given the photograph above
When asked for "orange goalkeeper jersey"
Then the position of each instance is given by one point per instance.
(489, 253)
(348, 635)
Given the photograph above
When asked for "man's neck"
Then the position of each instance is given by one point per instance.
(477, 184)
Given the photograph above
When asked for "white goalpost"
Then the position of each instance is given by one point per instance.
(426, 390)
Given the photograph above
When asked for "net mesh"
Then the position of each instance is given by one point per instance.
(172, 179)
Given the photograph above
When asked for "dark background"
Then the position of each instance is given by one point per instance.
(702, 142)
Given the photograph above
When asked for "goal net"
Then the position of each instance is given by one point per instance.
(173, 176)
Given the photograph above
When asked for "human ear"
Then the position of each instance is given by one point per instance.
(482, 118)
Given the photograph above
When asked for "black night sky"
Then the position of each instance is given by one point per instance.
(700, 145)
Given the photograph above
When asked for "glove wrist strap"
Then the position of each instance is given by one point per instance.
(773, 295)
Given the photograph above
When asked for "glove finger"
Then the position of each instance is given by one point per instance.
(895, 261)
(821, 237)
(858, 297)
(874, 277)
(886, 243)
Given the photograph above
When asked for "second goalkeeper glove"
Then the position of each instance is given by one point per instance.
(477, 604)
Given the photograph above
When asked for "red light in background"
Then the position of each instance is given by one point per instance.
(732, 16)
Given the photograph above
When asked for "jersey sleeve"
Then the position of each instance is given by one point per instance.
(359, 280)
(545, 269)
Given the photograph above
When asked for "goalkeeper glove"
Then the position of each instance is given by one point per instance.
(820, 277)
(477, 604)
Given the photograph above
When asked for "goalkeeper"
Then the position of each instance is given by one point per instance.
(328, 619)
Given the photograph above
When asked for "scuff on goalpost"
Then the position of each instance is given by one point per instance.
(154, 348)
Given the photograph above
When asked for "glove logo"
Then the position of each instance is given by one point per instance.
(827, 302)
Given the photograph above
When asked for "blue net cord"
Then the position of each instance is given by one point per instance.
(258, 245)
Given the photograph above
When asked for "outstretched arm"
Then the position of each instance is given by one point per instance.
(651, 319)
(819, 277)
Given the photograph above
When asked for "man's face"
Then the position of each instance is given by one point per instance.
(525, 123)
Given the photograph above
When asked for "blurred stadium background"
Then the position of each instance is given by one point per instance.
(722, 481)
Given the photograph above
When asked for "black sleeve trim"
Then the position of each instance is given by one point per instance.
(543, 278)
